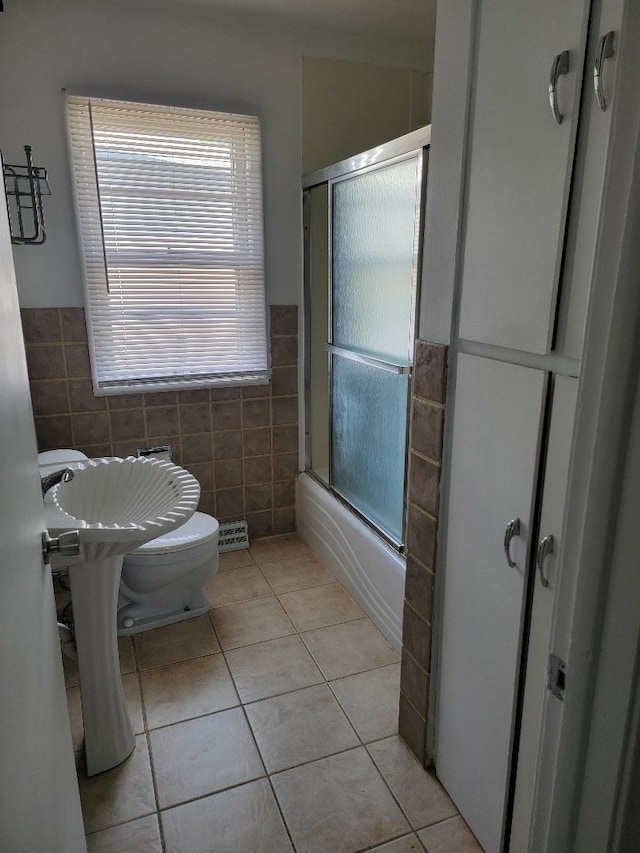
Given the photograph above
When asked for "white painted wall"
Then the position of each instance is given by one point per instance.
(350, 107)
(158, 52)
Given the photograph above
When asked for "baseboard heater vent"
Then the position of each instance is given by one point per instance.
(233, 536)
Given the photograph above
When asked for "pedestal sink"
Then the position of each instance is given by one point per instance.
(116, 505)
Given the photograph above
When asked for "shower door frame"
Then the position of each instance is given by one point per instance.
(405, 147)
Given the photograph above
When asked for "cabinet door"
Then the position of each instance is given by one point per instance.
(556, 478)
(520, 170)
(496, 437)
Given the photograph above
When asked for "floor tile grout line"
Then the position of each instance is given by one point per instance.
(388, 785)
(307, 553)
(296, 630)
(362, 743)
(439, 822)
(268, 777)
(315, 760)
(273, 592)
(307, 687)
(182, 660)
(374, 847)
(191, 719)
(281, 813)
(210, 794)
(155, 814)
(154, 783)
(329, 625)
(302, 633)
(414, 829)
(250, 601)
(280, 595)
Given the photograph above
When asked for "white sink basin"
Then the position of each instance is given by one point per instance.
(116, 505)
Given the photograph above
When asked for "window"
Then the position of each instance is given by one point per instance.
(169, 205)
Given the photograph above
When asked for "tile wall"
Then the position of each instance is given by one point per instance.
(240, 443)
(427, 419)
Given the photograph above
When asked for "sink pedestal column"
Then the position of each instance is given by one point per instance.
(108, 736)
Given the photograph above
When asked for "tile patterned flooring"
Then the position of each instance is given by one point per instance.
(268, 725)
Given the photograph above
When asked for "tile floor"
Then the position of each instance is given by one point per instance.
(268, 725)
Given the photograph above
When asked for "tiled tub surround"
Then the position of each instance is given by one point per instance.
(240, 443)
(268, 725)
(427, 418)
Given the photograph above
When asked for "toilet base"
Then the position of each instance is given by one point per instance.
(157, 620)
(171, 603)
(145, 602)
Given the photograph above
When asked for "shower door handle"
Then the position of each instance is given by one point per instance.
(513, 529)
(559, 66)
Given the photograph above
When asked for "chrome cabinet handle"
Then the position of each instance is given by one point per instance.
(605, 51)
(544, 549)
(559, 66)
(513, 529)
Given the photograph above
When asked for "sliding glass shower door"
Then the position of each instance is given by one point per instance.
(371, 271)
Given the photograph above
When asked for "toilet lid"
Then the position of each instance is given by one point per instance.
(200, 528)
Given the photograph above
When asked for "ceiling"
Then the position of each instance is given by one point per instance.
(404, 20)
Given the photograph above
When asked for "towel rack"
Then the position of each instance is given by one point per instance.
(25, 185)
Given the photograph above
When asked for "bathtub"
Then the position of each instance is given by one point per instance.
(369, 568)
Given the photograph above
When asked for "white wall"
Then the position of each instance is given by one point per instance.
(159, 52)
(349, 107)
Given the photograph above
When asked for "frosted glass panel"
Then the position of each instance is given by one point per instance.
(368, 441)
(375, 228)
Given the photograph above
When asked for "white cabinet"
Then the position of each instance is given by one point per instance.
(556, 475)
(497, 426)
(531, 210)
(520, 166)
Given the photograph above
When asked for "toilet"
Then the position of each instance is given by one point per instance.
(163, 580)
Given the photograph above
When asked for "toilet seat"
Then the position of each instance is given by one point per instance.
(198, 530)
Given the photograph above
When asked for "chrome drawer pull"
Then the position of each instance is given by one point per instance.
(513, 529)
(559, 67)
(605, 51)
(544, 549)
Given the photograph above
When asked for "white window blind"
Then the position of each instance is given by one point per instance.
(169, 204)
